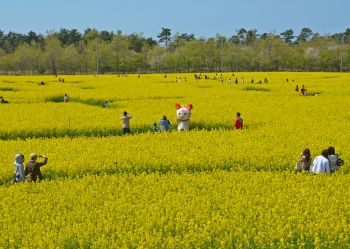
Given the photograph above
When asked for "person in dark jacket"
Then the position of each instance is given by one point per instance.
(32, 171)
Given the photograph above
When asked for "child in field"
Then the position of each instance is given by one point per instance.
(19, 168)
(126, 122)
(304, 161)
(155, 127)
(105, 104)
(238, 121)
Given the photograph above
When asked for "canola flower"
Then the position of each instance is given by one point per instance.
(212, 187)
(207, 210)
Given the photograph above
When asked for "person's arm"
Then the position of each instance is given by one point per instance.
(44, 162)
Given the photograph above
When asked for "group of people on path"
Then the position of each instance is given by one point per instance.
(31, 172)
(327, 162)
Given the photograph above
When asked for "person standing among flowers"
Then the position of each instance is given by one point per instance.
(126, 122)
(32, 171)
(238, 121)
(19, 168)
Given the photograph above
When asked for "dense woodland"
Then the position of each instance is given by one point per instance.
(68, 51)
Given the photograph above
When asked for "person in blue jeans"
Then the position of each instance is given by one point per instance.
(164, 124)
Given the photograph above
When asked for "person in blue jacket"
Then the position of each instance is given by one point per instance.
(164, 124)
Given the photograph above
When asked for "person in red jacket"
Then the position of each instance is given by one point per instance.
(238, 121)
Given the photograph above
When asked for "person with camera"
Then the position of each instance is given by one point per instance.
(126, 122)
(32, 171)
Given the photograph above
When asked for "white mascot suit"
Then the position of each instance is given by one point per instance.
(183, 116)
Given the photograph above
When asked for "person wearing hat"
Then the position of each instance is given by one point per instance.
(19, 168)
(32, 171)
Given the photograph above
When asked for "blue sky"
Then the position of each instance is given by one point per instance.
(204, 18)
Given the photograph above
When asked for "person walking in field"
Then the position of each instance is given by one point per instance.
(321, 163)
(65, 98)
(126, 122)
(238, 121)
(164, 124)
(19, 168)
(304, 162)
(242, 80)
(32, 171)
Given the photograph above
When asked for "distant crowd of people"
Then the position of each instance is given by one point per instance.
(327, 162)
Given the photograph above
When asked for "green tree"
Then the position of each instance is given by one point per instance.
(53, 51)
(120, 52)
(288, 36)
(164, 36)
(305, 35)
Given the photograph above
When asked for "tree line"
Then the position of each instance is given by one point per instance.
(68, 51)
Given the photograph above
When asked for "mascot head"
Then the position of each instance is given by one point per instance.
(183, 112)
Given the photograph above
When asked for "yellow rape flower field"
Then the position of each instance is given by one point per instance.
(211, 187)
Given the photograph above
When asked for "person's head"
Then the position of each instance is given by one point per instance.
(19, 158)
(306, 153)
(238, 114)
(155, 123)
(331, 150)
(164, 117)
(125, 113)
(324, 153)
(33, 156)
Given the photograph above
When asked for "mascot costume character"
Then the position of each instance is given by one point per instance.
(183, 116)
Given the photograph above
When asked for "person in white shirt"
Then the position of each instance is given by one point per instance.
(321, 163)
(19, 168)
(126, 124)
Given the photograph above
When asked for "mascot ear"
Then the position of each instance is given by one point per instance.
(177, 106)
(189, 106)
